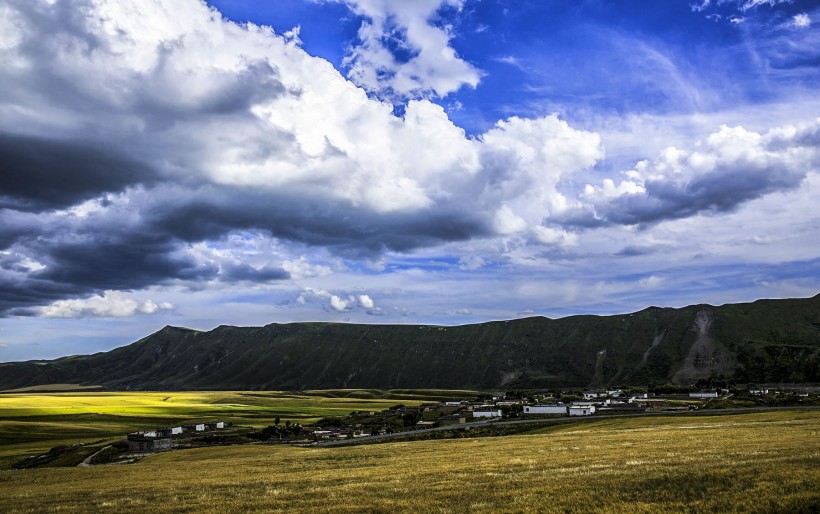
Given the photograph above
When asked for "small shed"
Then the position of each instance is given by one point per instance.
(213, 425)
(196, 427)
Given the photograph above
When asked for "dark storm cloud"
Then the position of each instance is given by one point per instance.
(636, 251)
(117, 249)
(339, 226)
(243, 271)
(130, 261)
(90, 263)
(37, 173)
(722, 191)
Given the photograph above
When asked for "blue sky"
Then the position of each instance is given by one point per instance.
(437, 161)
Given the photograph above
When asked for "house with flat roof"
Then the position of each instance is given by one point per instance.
(545, 408)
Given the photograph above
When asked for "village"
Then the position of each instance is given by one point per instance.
(402, 419)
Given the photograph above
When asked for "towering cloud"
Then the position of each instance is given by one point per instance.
(136, 130)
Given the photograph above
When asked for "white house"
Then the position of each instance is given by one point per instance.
(198, 427)
(581, 410)
(588, 395)
(487, 413)
(542, 408)
(168, 431)
(704, 394)
(758, 391)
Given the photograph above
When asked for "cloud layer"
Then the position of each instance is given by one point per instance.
(156, 151)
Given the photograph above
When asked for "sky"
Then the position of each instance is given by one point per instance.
(246, 162)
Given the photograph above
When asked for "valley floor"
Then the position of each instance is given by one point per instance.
(757, 462)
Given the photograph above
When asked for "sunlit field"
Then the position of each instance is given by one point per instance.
(760, 462)
(31, 423)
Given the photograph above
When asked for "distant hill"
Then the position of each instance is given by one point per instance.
(763, 341)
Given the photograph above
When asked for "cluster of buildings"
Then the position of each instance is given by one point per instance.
(605, 401)
(160, 439)
(614, 401)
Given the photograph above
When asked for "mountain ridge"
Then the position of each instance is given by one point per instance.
(761, 341)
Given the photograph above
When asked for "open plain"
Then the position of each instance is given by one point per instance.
(756, 462)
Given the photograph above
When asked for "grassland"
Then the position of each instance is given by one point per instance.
(32, 423)
(763, 462)
(760, 462)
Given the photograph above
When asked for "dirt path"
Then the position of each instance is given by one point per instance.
(87, 461)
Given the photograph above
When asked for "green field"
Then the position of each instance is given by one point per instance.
(31, 423)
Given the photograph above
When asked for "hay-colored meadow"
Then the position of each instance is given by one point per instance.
(759, 462)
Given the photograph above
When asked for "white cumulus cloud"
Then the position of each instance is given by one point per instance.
(111, 304)
(338, 303)
(429, 65)
(366, 302)
(731, 167)
(801, 21)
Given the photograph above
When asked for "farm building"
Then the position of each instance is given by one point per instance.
(704, 394)
(581, 410)
(197, 427)
(621, 409)
(545, 408)
(140, 442)
(487, 413)
(168, 431)
(452, 419)
(215, 424)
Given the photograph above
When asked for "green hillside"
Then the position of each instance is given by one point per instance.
(763, 341)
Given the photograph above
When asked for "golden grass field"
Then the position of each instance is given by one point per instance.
(757, 462)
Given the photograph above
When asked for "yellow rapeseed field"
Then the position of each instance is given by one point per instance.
(31, 423)
(760, 462)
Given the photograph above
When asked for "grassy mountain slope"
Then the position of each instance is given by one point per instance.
(763, 341)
